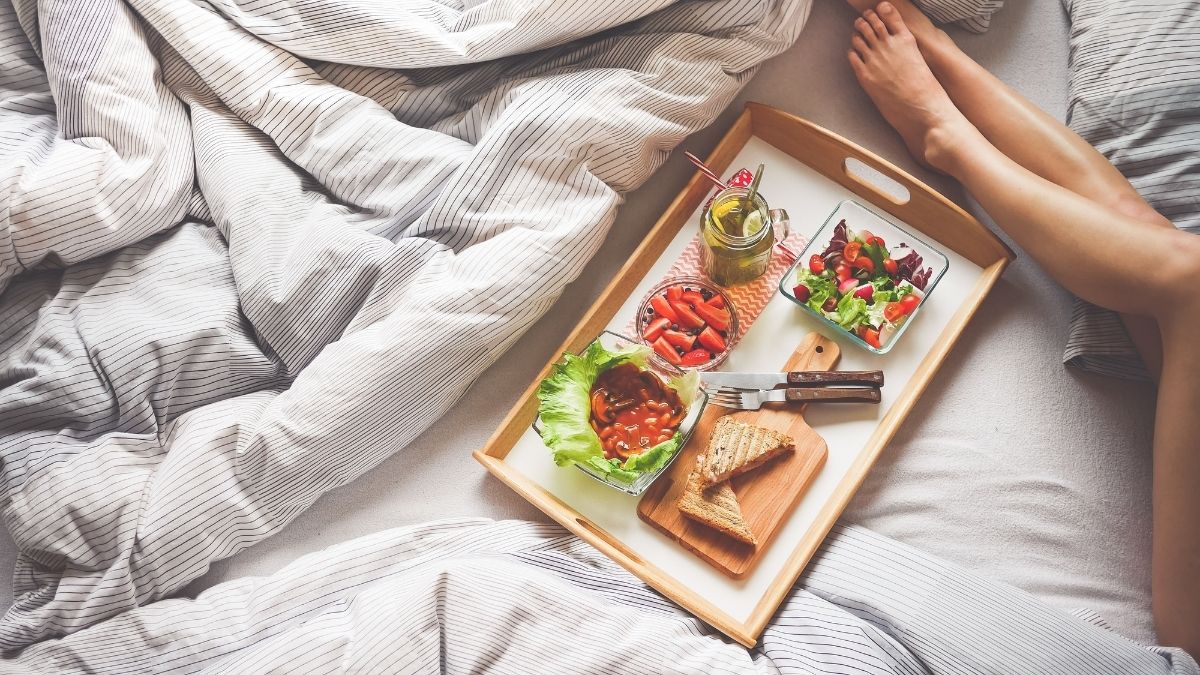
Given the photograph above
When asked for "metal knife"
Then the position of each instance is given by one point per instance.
(815, 378)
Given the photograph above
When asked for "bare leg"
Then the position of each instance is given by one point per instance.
(1086, 245)
(1030, 137)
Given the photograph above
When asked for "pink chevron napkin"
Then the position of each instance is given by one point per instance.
(751, 298)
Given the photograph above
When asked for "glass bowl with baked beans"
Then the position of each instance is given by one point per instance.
(633, 409)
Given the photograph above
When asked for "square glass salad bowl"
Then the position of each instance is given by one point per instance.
(897, 240)
(665, 372)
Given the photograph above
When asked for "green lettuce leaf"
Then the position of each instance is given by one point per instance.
(851, 311)
(565, 407)
(820, 286)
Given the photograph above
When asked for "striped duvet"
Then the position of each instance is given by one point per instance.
(250, 249)
(473, 596)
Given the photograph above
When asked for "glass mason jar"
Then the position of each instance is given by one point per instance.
(738, 237)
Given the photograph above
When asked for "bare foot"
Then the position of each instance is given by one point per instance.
(933, 42)
(890, 68)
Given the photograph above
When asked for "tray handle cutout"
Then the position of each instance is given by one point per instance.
(876, 181)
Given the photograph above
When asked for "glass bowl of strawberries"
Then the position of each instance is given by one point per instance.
(689, 322)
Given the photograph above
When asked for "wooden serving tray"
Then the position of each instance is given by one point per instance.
(767, 494)
(811, 171)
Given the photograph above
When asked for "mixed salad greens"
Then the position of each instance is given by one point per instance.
(565, 412)
(861, 285)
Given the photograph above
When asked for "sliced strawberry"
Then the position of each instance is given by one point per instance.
(696, 357)
(656, 328)
(665, 350)
(717, 301)
(712, 340)
(660, 305)
(674, 292)
(678, 339)
(692, 298)
(713, 316)
(687, 318)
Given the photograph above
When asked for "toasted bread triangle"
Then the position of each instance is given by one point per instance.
(716, 506)
(736, 448)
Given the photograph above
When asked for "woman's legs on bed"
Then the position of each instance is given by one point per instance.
(1111, 254)
(1032, 138)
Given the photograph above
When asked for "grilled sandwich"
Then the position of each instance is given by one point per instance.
(736, 448)
(715, 506)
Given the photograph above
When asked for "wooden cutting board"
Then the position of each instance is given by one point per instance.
(767, 494)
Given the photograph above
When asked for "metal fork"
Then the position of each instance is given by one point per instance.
(752, 399)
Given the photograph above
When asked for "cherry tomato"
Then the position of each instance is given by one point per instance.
(890, 267)
(869, 336)
(816, 264)
(655, 328)
(872, 239)
(851, 251)
(864, 263)
(893, 311)
(910, 302)
(802, 292)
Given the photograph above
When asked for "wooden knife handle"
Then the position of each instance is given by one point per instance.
(842, 394)
(873, 378)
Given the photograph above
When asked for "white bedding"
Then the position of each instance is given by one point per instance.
(476, 596)
(1048, 492)
(247, 260)
(1091, 506)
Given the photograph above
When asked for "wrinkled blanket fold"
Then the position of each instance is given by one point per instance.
(249, 250)
(472, 596)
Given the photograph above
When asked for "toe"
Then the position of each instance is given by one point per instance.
(857, 65)
(875, 23)
(890, 17)
(865, 30)
(860, 45)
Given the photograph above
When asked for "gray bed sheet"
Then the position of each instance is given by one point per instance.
(1011, 466)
